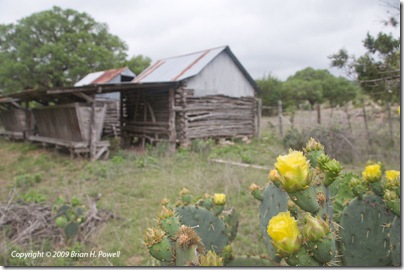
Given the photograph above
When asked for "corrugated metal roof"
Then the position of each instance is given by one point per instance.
(178, 68)
(100, 77)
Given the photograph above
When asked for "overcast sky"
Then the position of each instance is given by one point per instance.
(278, 37)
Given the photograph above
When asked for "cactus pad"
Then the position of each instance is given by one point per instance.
(209, 227)
(365, 236)
(395, 244)
(274, 201)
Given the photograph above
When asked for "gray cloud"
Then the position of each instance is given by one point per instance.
(268, 36)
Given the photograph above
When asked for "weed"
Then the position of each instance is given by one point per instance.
(33, 196)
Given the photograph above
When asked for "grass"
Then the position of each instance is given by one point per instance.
(131, 184)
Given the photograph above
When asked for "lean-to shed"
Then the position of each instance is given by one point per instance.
(206, 94)
(112, 76)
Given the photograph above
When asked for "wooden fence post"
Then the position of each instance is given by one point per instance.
(366, 123)
(280, 116)
(258, 118)
(171, 119)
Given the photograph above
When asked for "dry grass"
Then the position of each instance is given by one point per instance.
(132, 184)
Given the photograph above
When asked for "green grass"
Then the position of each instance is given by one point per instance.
(131, 184)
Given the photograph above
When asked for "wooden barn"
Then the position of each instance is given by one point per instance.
(109, 77)
(206, 94)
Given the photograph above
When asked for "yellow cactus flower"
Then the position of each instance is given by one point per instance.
(219, 198)
(372, 173)
(286, 236)
(392, 175)
(294, 171)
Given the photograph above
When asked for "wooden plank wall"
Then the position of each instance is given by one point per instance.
(70, 122)
(15, 120)
(214, 116)
(145, 114)
(178, 116)
(112, 127)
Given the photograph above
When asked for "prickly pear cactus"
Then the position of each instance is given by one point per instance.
(215, 225)
(209, 227)
(274, 200)
(395, 241)
(305, 179)
(175, 244)
(365, 232)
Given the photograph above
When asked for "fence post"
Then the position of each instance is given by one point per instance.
(258, 118)
(390, 121)
(280, 116)
(366, 123)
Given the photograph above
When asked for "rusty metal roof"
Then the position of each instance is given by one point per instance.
(103, 77)
(175, 69)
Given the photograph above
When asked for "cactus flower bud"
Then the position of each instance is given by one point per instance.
(358, 187)
(315, 228)
(256, 191)
(186, 196)
(372, 173)
(211, 259)
(332, 169)
(219, 198)
(322, 160)
(313, 145)
(275, 178)
(392, 201)
(286, 236)
(294, 172)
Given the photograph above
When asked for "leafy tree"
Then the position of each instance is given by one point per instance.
(138, 63)
(339, 91)
(378, 70)
(271, 90)
(56, 48)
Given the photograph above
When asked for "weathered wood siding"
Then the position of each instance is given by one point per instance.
(69, 122)
(145, 114)
(180, 116)
(214, 116)
(112, 126)
(15, 120)
(221, 77)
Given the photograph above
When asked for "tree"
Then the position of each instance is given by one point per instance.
(271, 90)
(56, 48)
(378, 70)
(138, 63)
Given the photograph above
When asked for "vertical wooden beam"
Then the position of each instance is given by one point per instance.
(93, 131)
(171, 118)
(258, 115)
(27, 129)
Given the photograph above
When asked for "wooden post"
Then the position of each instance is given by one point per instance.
(258, 118)
(92, 137)
(27, 130)
(366, 123)
(390, 121)
(318, 114)
(171, 119)
(280, 116)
